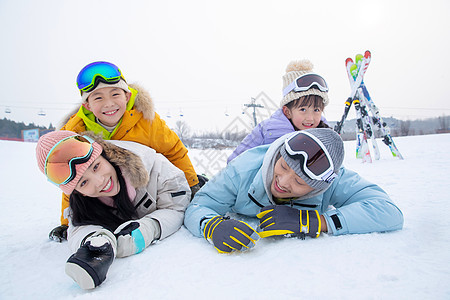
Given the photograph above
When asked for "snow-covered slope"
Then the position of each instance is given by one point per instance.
(409, 264)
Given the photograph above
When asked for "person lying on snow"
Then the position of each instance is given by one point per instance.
(296, 186)
(123, 197)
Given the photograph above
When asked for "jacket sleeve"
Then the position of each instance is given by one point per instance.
(360, 206)
(77, 235)
(253, 139)
(167, 142)
(216, 197)
(172, 197)
(64, 206)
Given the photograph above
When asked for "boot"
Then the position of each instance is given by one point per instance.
(89, 265)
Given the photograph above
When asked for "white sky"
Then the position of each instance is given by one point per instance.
(205, 58)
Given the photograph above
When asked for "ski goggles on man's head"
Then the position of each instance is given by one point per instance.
(62, 158)
(317, 163)
(305, 82)
(100, 71)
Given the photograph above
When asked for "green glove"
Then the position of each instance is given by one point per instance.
(281, 220)
(229, 235)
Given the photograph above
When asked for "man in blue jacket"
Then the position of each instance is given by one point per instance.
(295, 187)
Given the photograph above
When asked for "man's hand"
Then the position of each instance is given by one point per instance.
(229, 235)
(282, 220)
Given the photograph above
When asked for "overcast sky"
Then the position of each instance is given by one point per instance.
(205, 59)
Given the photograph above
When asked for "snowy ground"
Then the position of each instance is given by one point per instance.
(409, 264)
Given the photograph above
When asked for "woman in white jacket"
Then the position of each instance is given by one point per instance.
(123, 197)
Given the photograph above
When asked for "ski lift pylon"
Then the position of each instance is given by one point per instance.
(42, 113)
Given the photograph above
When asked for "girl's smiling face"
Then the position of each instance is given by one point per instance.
(303, 117)
(99, 180)
(286, 183)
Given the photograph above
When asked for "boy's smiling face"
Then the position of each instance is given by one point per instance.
(108, 104)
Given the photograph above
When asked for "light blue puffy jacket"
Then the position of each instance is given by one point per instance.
(358, 206)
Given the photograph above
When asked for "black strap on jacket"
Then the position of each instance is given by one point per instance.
(337, 222)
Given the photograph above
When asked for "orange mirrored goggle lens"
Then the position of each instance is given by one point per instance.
(62, 158)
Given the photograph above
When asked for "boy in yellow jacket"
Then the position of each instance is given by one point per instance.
(120, 111)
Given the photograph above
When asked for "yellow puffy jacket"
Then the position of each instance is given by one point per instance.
(140, 124)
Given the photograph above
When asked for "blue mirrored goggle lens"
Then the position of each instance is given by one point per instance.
(105, 70)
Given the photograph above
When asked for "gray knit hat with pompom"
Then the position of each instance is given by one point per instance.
(294, 70)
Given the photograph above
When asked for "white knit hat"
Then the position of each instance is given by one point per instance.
(294, 70)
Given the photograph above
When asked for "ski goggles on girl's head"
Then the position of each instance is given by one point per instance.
(305, 82)
(100, 71)
(317, 163)
(62, 158)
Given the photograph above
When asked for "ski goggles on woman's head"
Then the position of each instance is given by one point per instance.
(317, 163)
(305, 82)
(62, 158)
(100, 71)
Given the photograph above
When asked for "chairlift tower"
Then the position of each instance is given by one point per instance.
(254, 105)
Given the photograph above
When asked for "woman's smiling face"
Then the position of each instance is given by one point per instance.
(99, 180)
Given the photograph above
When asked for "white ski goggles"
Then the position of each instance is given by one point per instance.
(317, 162)
(305, 82)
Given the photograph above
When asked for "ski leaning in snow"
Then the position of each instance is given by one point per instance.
(365, 120)
(359, 92)
(378, 120)
(354, 87)
(355, 74)
(362, 147)
(366, 100)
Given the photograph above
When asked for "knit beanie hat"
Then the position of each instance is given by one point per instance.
(121, 84)
(335, 147)
(294, 70)
(48, 141)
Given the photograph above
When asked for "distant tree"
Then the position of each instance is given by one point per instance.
(12, 129)
(443, 122)
(405, 127)
(182, 129)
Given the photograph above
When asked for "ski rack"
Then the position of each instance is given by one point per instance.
(367, 113)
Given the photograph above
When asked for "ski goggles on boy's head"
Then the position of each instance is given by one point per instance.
(317, 163)
(62, 158)
(305, 82)
(100, 71)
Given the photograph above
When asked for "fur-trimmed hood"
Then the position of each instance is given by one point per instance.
(129, 163)
(143, 103)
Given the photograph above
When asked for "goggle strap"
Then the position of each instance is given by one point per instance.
(329, 177)
(289, 88)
